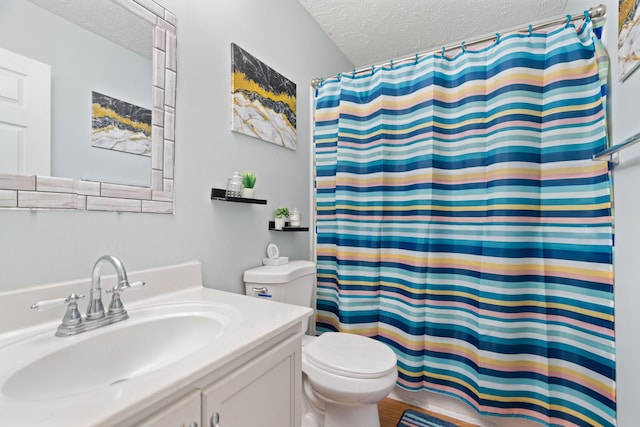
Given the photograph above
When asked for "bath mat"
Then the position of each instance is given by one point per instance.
(411, 418)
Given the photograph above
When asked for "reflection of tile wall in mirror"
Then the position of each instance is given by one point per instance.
(119, 125)
(33, 191)
(81, 62)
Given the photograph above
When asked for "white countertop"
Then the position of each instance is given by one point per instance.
(256, 321)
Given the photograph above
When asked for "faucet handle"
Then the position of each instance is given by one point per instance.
(50, 303)
(118, 288)
(72, 319)
(116, 309)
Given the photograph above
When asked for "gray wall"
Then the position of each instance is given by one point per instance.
(80, 62)
(49, 246)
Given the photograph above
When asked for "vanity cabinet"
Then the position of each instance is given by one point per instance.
(265, 392)
(261, 388)
(183, 413)
(208, 352)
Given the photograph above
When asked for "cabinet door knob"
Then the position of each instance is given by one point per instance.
(215, 419)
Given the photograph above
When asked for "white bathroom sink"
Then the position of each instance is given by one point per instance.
(48, 367)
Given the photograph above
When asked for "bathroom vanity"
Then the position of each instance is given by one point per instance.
(260, 389)
(187, 356)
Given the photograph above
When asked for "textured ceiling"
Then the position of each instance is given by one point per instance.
(107, 19)
(371, 32)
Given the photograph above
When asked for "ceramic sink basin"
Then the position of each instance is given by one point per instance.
(153, 338)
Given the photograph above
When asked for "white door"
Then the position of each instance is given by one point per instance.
(25, 115)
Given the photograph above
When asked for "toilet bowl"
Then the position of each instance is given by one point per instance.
(344, 375)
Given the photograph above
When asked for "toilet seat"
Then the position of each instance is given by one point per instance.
(350, 356)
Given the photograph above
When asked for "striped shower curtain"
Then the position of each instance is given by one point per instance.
(461, 221)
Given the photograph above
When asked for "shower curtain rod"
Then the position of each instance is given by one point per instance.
(594, 12)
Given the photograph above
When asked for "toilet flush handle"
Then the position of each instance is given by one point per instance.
(263, 290)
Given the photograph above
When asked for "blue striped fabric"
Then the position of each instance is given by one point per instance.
(411, 418)
(462, 222)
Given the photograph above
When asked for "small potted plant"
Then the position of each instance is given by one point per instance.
(282, 213)
(249, 182)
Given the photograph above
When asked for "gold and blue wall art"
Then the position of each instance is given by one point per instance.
(628, 37)
(263, 100)
(120, 126)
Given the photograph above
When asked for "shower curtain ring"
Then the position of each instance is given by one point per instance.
(530, 30)
(391, 63)
(587, 16)
(442, 54)
(464, 49)
(416, 58)
(568, 21)
(497, 38)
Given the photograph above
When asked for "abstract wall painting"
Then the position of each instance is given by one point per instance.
(120, 126)
(263, 100)
(628, 37)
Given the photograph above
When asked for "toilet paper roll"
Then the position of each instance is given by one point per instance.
(272, 251)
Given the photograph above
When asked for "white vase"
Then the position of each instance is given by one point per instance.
(279, 223)
(248, 193)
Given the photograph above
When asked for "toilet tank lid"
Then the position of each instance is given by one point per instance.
(280, 273)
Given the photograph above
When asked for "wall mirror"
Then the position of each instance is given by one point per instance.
(52, 153)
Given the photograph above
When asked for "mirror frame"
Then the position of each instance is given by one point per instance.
(46, 192)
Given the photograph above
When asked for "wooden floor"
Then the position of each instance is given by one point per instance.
(391, 411)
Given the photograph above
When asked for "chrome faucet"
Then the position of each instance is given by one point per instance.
(72, 322)
(95, 310)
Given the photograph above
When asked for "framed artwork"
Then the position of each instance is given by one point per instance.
(628, 37)
(263, 100)
(120, 126)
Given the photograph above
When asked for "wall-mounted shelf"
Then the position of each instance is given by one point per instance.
(272, 227)
(220, 194)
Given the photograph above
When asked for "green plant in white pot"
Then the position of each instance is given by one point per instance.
(249, 183)
(282, 213)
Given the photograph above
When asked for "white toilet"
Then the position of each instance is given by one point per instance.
(344, 375)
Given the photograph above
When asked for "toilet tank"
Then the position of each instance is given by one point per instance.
(291, 283)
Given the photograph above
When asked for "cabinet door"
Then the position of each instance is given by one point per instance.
(183, 413)
(266, 392)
